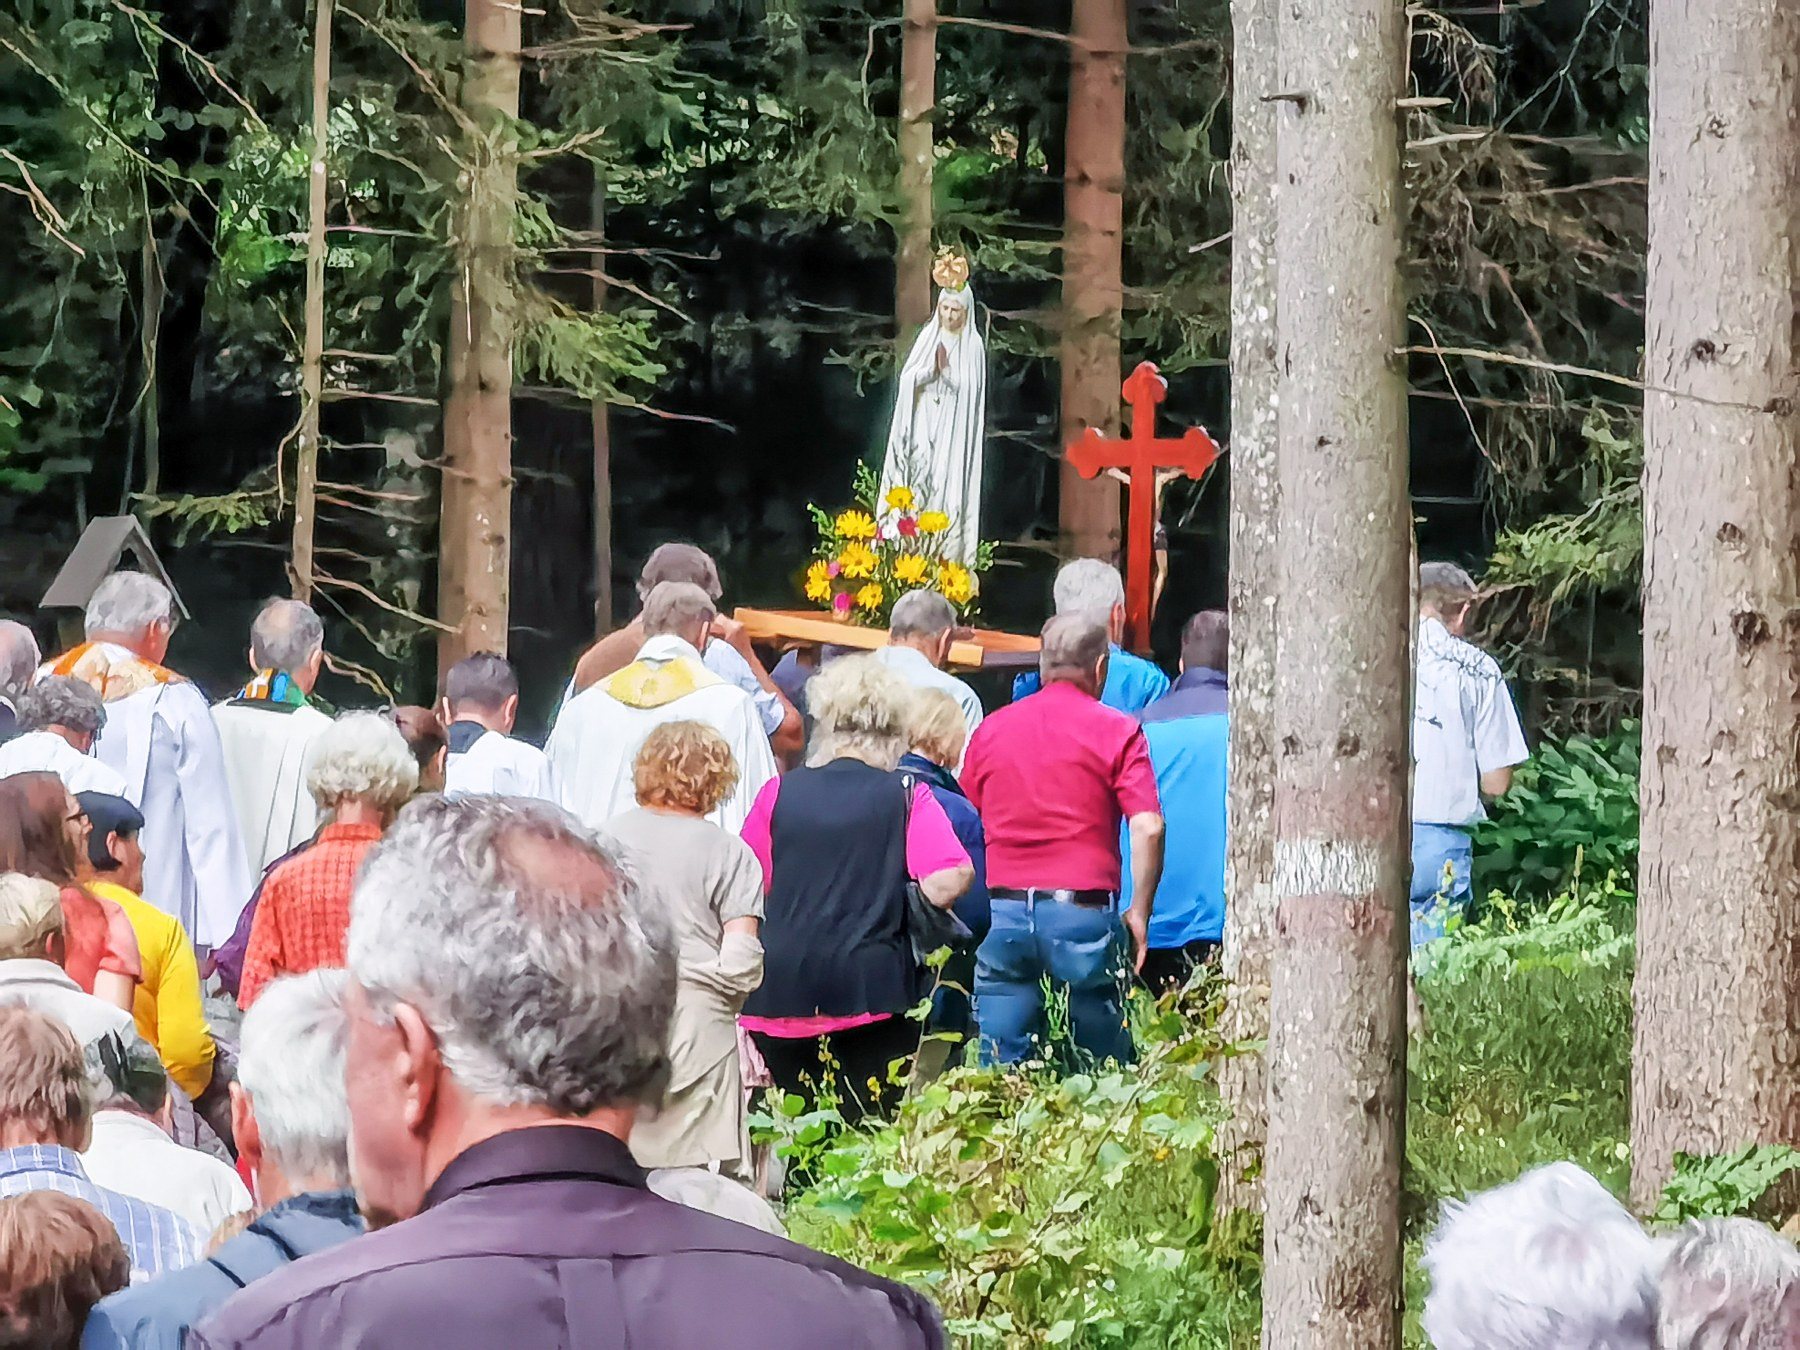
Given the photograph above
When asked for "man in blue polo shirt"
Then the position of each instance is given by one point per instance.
(1090, 589)
(1186, 729)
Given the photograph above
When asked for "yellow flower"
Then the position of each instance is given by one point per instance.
(857, 561)
(870, 597)
(933, 522)
(911, 570)
(956, 583)
(818, 582)
(900, 499)
(856, 525)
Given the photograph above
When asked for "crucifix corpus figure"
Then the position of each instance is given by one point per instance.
(935, 440)
(1146, 460)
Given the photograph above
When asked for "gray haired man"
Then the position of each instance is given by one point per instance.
(511, 993)
(1093, 590)
(61, 719)
(292, 1123)
(160, 735)
(19, 657)
(920, 631)
(270, 729)
(1466, 741)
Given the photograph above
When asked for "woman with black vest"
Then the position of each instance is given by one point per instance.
(839, 842)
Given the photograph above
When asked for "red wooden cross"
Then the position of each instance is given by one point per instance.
(1141, 454)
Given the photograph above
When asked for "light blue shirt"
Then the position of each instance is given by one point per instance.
(156, 1239)
(1188, 754)
(1132, 683)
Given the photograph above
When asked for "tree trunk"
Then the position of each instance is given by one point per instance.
(475, 545)
(1717, 992)
(918, 99)
(1093, 265)
(1250, 842)
(603, 496)
(312, 360)
(1343, 685)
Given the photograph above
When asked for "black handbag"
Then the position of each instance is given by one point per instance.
(928, 928)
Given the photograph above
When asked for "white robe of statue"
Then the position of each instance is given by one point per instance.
(940, 421)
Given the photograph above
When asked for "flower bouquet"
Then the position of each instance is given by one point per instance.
(879, 549)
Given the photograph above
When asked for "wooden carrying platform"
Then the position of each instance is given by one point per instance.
(975, 649)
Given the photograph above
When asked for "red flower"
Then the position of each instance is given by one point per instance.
(909, 527)
(841, 602)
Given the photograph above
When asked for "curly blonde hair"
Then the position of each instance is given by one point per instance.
(362, 756)
(684, 766)
(940, 732)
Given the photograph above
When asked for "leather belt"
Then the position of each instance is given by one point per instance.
(1083, 899)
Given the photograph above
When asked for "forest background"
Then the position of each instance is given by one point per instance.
(728, 173)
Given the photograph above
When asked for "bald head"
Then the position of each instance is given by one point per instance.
(1075, 651)
(679, 609)
(19, 656)
(288, 637)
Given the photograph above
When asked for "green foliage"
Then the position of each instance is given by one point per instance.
(1526, 1056)
(1572, 813)
(1037, 1210)
(1724, 1185)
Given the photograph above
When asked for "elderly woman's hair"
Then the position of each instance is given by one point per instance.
(286, 636)
(34, 828)
(1551, 1259)
(62, 701)
(43, 1076)
(940, 732)
(1072, 645)
(1728, 1284)
(1089, 588)
(676, 607)
(362, 756)
(685, 766)
(543, 968)
(1445, 586)
(30, 911)
(291, 1067)
(19, 656)
(129, 602)
(923, 614)
(860, 710)
(59, 1256)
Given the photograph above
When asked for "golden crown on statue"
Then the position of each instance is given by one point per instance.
(951, 270)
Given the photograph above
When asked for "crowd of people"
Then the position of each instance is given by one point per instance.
(390, 1028)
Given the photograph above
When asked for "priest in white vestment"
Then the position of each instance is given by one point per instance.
(595, 744)
(62, 718)
(159, 735)
(479, 708)
(269, 732)
(939, 429)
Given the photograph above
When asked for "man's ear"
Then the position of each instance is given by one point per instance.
(56, 948)
(421, 1067)
(250, 660)
(245, 1132)
(509, 711)
(443, 711)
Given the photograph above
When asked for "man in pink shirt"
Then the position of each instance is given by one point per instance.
(1052, 776)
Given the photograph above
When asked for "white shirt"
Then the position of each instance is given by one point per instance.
(46, 752)
(501, 766)
(1464, 726)
(268, 751)
(130, 1154)
(910, 665)
(46, 987)
(595, 744)
(164, 742)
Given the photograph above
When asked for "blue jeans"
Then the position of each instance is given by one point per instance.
(1081, 952)
(1441, 858)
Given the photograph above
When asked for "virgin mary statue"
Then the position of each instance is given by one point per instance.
(935, 441)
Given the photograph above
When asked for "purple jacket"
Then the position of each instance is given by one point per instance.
(545, 1238)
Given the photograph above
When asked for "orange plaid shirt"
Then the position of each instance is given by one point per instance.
(304, 913)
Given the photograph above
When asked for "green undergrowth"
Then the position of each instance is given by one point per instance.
(1047, 1210)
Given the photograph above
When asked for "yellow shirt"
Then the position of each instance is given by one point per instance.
(167, 1005)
